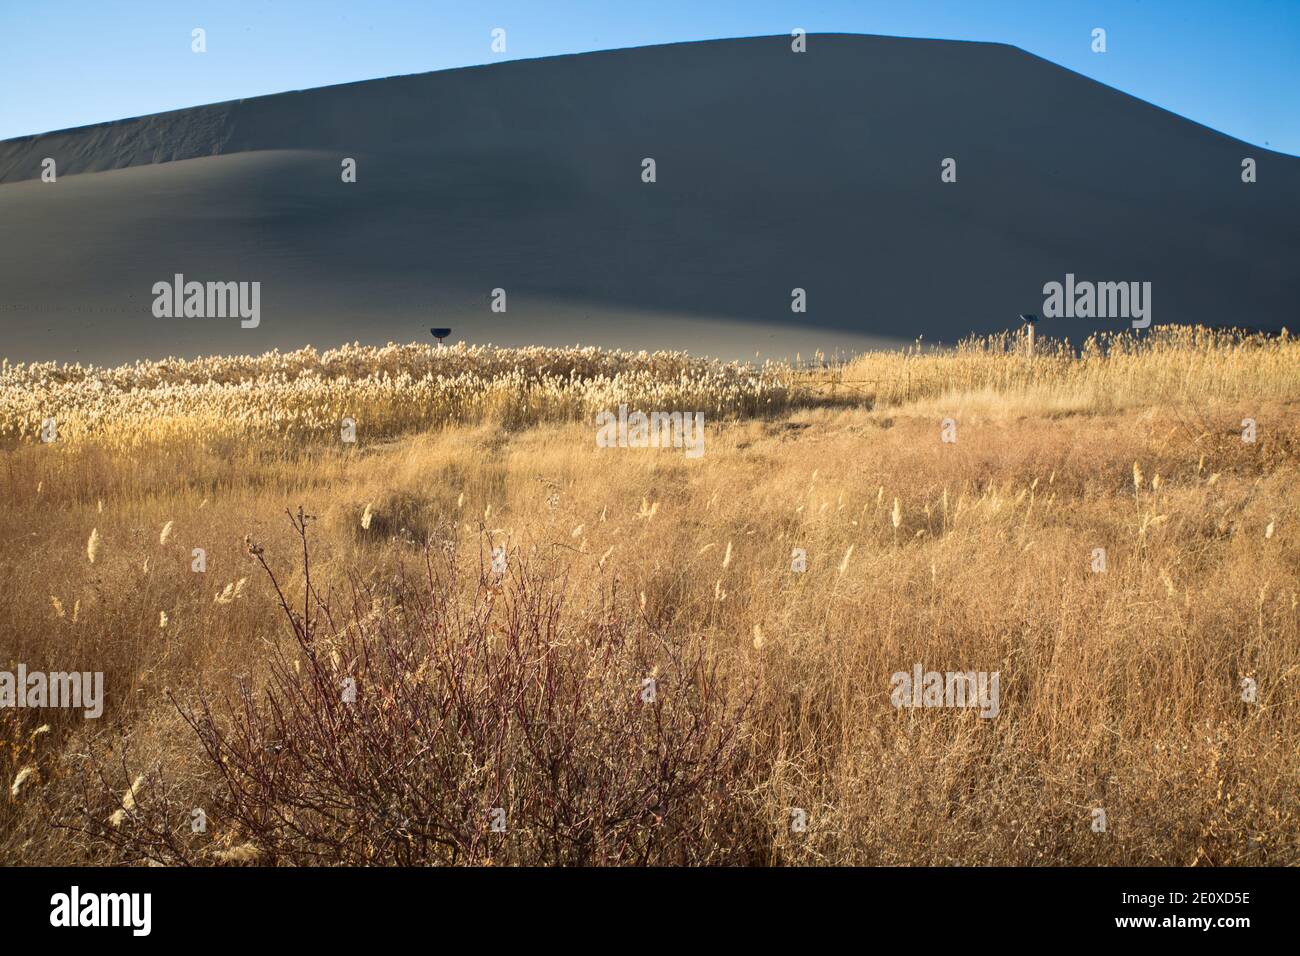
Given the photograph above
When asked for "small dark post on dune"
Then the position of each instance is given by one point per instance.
(440, 334)
(1030, 321)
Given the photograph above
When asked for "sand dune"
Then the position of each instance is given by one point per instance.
(775, 170)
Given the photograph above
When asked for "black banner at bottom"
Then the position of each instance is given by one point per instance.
(342, 906)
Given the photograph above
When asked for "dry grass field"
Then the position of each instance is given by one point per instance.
(649, 680)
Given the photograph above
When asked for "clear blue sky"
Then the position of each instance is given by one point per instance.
(1233, 65)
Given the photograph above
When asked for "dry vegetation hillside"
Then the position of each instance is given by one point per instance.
(526, 691)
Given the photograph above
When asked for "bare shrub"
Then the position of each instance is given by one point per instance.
(486, 726)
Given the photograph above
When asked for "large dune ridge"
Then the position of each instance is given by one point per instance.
(775, 170)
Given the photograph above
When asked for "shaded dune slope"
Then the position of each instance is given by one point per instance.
(775, 170)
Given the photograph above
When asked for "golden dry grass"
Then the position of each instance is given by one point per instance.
(1119, 690)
